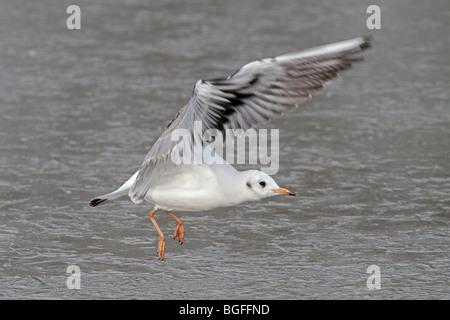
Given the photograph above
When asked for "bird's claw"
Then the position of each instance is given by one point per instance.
(179, 232)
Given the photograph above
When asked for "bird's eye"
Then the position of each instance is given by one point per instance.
(262, 183)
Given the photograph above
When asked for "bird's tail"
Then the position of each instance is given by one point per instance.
(122, 191)
(107, 197)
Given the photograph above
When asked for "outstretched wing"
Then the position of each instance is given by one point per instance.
(257, 92)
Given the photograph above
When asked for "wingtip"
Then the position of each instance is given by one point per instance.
(95, 202)
(367, 42)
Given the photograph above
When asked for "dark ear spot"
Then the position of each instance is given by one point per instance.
(249, 185)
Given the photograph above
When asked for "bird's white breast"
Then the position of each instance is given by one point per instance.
(194, 188)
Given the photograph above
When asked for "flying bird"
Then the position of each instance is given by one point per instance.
(254, 94)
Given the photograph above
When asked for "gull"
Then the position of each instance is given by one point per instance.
(254, 94)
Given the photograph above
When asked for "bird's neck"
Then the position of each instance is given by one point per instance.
(238, 190)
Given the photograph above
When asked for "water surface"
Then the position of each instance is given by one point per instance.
(368, 157)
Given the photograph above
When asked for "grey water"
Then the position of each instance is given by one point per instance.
(368, 156)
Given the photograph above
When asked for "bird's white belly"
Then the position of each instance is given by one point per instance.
(185, 200)
(194, 189)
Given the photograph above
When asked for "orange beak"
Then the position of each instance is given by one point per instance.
(284, 191)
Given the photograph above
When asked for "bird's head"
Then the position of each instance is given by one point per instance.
(263, 186)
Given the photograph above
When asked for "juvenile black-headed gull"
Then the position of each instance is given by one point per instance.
(250, 96)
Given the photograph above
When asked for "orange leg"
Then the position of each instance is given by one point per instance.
(179, 230)
(162, 239)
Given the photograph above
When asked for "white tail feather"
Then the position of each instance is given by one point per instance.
(122, 191)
